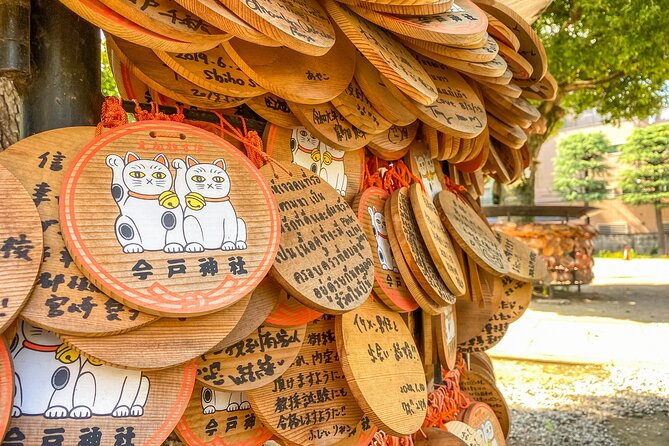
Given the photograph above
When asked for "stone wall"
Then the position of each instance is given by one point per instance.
(641, 243)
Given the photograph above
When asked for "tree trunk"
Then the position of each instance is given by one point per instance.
(9, 113)
(661, 239)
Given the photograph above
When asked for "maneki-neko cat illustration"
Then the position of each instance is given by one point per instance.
(488, 433)
(383, 244)
(428, 174)
(219, 400)
(326, 161)
(53, 381)
(158, 212)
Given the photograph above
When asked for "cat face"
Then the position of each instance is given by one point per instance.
(148, 177)
(209, 180)
(38, 336)
(303, 137)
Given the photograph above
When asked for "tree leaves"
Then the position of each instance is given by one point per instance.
(580, 167)
(646, 180)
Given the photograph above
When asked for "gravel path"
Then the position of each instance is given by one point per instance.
(564, 405)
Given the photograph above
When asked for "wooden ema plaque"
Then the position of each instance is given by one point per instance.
(474, 313)
(264, 300)
(482, 418)
(445, 337)
(438, 437)
(148, 68)
(463, 24)
(301, 25)
(437, 241)
(471, 232)
(369, 79)
(389, 56)
(290, 312)
(511, 136)
(252, 362)
(66, 398)
(214, 12)
(169, 19)
(212, 70)
(421, 164)
(466, 433)
(7, 385)
(524, 264)
(389, 285)
(501, 32)
(330, 126)
(484, 54)
(518, 65)
(62, 299)
(383, 367)
(217, 417)
(341, 170)
(356, 108)
(544, 90)
(421, 297)
(324, 258)
(421, 8)
(311, 403)
(517, 106)
(21, 247)
(173, 340)
(128, 85)
(110, 21)
(168, 218)
(295, 76)
(417, 255)
(394, 143)
(457, 110)
(274, 110)
(530, 46)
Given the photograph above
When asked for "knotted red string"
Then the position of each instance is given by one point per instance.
(112, 114)
(455, 188)
(447, 400)
(156, 115)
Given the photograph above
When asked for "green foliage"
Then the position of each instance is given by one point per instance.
(580, 167)
(608, 55)
(108, 82)
(646, 180)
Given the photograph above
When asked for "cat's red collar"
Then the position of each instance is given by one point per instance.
(382, 235)
(39, 348)
(143, 196)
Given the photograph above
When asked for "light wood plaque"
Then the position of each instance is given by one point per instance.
(417, 255)
(331, 412)
(413, 9)
(390, 57)
(389, 285)
(421, 163)
(295, 76)
(471, 232)
(154, 242)
(21, 243)
(301, 25)
(254, 361)
(437, 241)
(356, 108)
(67, 398)
(446, 337)
(216, 417)
(330, 126)
(148, 67)
(290, 312)
(341, 170)
(172, 341)
(324, 258)
(466, 433)
(483, 54)
(63, 299)
(394, 143)
(486, 421)
(383, 367)
(524, 264)
(274, 110)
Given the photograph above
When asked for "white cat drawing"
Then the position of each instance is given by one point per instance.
(450, 326)
(428, 175)
(379, 227)
(210, 219)
(54, 381)
(219, 400)
(326, 161)
(150, 217)
(488, 433)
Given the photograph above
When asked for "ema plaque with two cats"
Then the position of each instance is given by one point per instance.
(169, 219)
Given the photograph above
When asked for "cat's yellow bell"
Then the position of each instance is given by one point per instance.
(168, 199)
(195, 201)
(316, 154)
(66, 354)
(327, 158)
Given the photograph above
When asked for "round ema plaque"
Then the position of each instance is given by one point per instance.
(254, 361)
(422, 165)
(524, 264)
(389, 285)
(341, 170)
(324, 258)
(383, 367)
(21, 247)
(63, 299)
(216, 417)
(482, 418)
(445, 335)
(62, 397)
(168, 218)
(290, 312)
(311, 403)
(466, 433)
(471, 232)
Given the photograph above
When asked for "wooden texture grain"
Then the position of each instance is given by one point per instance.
(359, 111)
(466, 433)
(274, 109)
(330, 126)
(446, 337)
(484, 54)
(495, 412)
(404, 8)
(524, 264)
(395, 142)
